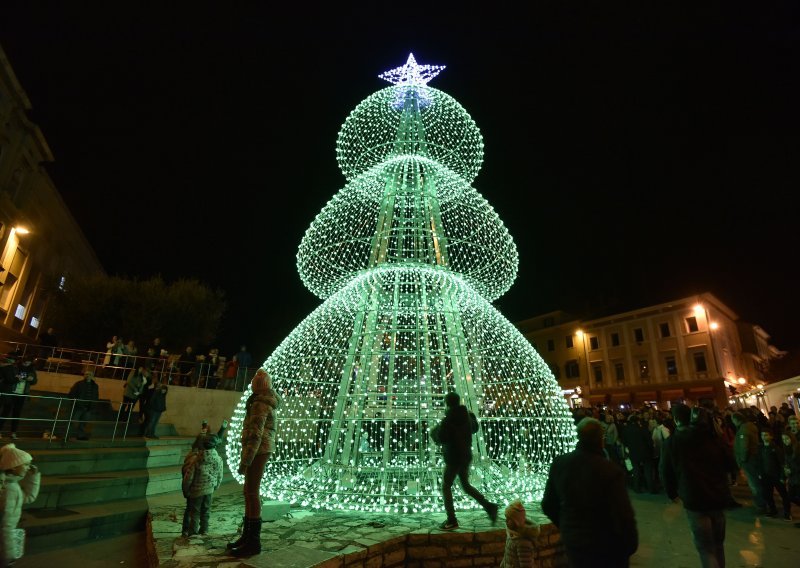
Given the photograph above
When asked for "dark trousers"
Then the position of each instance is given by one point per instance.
(451, 470)
(751, 474)
(708, 533)
(767, 486)
(151, 421)
(11, 408)
(195, 517)
(81, 415)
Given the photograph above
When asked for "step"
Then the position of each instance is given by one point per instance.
(49, 529)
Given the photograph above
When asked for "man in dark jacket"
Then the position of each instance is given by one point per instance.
(694, 470)
(582, 485)
(16, 391)
(454, 433)
(86, 393)
(745, 450)
(156, 405)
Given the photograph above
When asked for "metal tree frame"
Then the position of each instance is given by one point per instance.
(407, 257)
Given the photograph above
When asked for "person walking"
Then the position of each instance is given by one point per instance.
(694, 470)
(85, 393)
(202, 475)
(258, 443)
(454, 433)
(582, 484)
(19, 485)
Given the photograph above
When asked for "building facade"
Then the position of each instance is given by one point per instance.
(693, 349)
(41, 244)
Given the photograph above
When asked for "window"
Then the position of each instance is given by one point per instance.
(700, 362)
(615, 339)
(569, 342)
(644, 370)
(594, 342)
(572, 370)
(672, 366)
(691, 324)
(664, 329)
(638, 335)
(13, 263)
(551, 345)
(34, 322)
(20, 312)
(619, 372)
(598, 373)
(549, 322)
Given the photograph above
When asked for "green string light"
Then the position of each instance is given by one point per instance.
(407, 257)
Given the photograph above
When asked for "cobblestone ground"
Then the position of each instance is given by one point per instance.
(305, 539)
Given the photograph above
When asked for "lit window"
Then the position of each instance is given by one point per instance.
(34, 322)
(20, 312)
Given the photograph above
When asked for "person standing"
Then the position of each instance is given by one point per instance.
(202, 475)
(86, 393)
(155, 407)
(694, 470)
(258, 443)
(745, 450)
(521, 534)
(582, 484)
(136, 383)
(454, 433)
(16, 393)
(245, 361)
(772, 475)
(19, 485)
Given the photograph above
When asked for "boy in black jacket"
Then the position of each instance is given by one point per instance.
(772, 475)
(454, 433)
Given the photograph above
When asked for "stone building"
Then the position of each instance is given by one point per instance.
(41, 244)
(694, 349)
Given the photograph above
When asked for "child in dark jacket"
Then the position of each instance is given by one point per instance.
(202, 475)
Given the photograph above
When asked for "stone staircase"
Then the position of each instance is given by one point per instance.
(97, 488)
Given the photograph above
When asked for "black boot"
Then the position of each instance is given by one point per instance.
(240, 541)
(252, 544)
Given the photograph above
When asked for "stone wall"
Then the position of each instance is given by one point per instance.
(187, 407)
(427, 549)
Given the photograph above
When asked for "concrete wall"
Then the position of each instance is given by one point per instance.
(187, 407)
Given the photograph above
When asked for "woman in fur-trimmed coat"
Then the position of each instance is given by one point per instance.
(258, 443)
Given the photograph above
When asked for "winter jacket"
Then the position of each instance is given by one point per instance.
(158, 400)
(694, 466)
(135, 385)
(25, 379)
(454, 433)
(15, 491)
(792, 461)
(771, 462)
(586, 497)
(84, 391)
(745, 447)
(258, 429)
(202, 473)
(519, 549)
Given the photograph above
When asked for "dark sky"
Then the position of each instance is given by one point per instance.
(635, 157)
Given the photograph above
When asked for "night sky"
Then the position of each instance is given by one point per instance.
(634, 157)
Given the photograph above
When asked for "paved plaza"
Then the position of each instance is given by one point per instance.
(306, 539)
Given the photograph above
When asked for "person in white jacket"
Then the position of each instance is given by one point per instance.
(19, 485)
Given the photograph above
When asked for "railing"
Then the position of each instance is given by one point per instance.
(198, 374)
(69, 412)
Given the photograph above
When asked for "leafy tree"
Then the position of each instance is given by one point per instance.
(92, 309)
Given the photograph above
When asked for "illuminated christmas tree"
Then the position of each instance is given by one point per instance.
(407, 257)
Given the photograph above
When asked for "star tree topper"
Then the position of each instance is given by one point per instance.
(411, 73)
